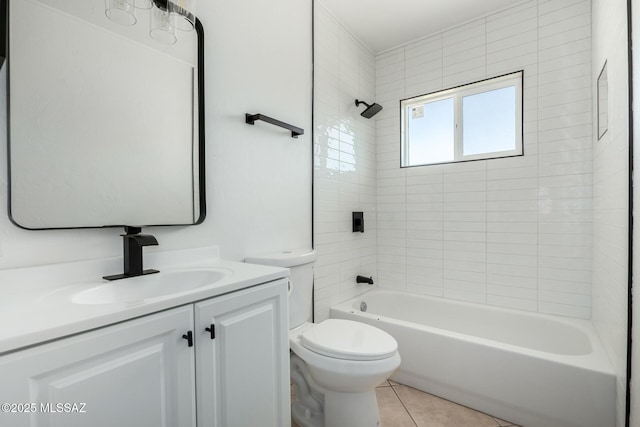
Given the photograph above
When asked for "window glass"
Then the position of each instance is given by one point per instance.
(431, 129)
(480, 120)
(489, 121)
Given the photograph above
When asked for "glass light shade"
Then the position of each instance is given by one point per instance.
(121, 11)
(184, 12)
(162, 29)
(143, 4)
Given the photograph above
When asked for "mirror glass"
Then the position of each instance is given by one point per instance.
(603, 102)
(104, 124)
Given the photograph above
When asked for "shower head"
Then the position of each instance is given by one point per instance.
(370, 111)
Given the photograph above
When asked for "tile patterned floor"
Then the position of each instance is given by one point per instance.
(403, 406)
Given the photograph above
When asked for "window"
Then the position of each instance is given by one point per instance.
(480, 120)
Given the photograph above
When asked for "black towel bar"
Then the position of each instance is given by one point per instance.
(252, 118)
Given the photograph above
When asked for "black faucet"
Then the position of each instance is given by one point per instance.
(363, 279)
(133, 242)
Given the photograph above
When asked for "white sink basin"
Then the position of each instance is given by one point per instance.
(138, 289)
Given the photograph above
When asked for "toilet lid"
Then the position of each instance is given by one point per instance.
(346, 339)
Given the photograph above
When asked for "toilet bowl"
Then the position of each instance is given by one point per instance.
(342, 361)
(335, 364)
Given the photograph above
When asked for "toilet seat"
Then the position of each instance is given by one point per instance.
(348, 340)
(334, 374)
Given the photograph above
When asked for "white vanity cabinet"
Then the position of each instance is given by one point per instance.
(143, 373)
(243, 371)
(136, 373)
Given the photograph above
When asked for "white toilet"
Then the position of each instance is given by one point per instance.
(335, 364)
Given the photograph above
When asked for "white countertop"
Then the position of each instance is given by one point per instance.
(36, 304)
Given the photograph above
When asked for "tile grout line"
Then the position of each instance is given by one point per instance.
(403, 405)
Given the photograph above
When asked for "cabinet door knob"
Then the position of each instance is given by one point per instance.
(189, 337)
(212, 330)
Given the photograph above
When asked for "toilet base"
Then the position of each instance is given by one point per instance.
(314, 406)
(342, 409)
(307, 407)
(351, 409)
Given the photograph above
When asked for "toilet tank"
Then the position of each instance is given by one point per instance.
(300, 262)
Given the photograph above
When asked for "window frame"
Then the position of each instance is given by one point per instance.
(457, 93)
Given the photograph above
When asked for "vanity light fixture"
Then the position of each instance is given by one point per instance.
(163, 27)
(166, 16)
(122, 12)
(144, 4)
(185, 14)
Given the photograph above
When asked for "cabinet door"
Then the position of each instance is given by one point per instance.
(138, 373)
(243, 372)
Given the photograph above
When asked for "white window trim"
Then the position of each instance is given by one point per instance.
(457, 93)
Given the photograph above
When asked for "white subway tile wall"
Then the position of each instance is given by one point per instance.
(512, 232)
(344, 163)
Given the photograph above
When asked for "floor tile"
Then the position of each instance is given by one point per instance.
(392, 412)
(403, 406)
(431, 411)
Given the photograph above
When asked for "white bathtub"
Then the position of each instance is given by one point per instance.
(531, 369)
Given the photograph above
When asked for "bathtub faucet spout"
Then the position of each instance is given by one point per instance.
(363, 279)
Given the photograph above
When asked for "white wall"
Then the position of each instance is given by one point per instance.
(258, 60)
(344, 163)
(513, 232)
(610, 188)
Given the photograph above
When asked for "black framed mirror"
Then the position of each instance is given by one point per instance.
(105, 124)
